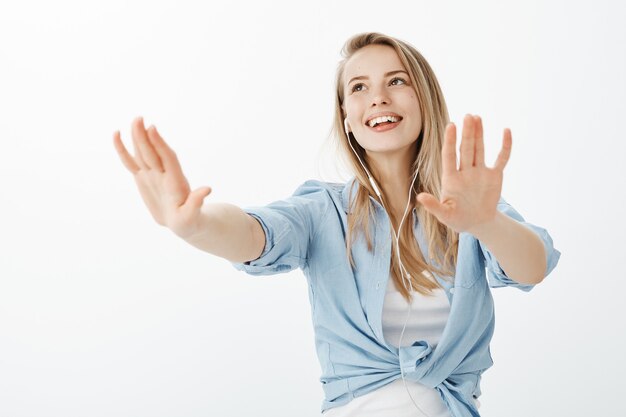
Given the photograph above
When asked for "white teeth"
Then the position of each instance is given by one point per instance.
(382, 119)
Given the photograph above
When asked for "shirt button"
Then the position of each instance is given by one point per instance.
(452, 290)
(378, 285)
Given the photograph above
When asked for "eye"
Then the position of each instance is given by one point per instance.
(355, 86)
(397, 79)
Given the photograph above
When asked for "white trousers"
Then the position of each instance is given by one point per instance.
(392, 400)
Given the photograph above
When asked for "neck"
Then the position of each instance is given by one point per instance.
(392, 172)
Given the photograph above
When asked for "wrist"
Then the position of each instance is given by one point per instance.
(484, 231)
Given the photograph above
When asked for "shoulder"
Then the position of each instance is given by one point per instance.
(319, 197)
(321, 191)
(316, 186)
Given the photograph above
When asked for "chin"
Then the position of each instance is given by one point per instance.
(387, 144)
(383, 149)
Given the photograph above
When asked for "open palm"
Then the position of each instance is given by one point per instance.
(160, 180)
(469, 194)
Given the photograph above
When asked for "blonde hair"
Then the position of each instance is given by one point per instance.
(442, 241)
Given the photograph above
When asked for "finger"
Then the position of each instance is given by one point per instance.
(126, 158)
(505, 152)
(448, 153)
(431, 204)
(197, 197)
(138, 156)
(479, 155)
(143, 146)
(165, 153)
(467, 143)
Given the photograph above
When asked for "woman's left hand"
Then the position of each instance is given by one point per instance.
(469, 195)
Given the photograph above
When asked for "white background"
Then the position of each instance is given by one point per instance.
(103, 312)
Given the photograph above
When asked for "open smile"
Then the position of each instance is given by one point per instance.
(381, 122)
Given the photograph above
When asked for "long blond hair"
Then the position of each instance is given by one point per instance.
(442, 241)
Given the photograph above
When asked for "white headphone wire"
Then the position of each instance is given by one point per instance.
(396, 236)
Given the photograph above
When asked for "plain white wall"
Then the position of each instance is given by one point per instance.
(103, 312)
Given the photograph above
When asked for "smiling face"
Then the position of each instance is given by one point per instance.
(380, 103)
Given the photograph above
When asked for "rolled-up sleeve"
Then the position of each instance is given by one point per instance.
(288, 224)
(495, 275)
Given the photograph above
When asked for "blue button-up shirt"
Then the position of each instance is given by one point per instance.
(308, 231)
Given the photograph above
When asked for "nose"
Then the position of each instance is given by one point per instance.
(380, 96)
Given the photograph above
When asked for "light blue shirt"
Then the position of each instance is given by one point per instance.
(308, 231)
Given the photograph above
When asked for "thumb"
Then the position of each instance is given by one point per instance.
(197, 196)
(431, 204)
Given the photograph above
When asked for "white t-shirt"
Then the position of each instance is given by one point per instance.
(428, 318)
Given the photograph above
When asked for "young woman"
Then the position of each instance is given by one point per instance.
(366, 259)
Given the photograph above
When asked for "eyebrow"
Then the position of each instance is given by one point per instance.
(387, 74)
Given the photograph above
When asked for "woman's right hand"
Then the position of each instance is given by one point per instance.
(159, 177)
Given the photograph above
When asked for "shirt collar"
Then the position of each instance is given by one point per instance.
(417, 227)
(348, 194)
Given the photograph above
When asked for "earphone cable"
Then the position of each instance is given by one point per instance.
(397, 238)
